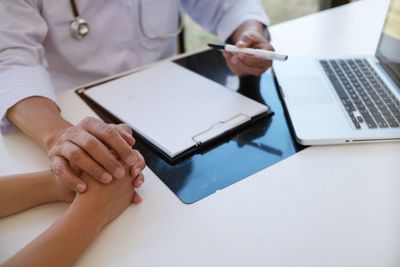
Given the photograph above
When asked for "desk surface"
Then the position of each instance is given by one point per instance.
(325, 206)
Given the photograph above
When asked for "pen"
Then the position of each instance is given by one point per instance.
(250, 51)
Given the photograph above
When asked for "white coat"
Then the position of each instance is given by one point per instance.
(39, 57)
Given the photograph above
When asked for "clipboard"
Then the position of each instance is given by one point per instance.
(111, 97)
(266, 141)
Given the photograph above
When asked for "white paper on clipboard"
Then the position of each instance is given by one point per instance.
(174, 108)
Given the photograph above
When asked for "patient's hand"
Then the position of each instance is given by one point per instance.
(63, 191)
(104, 202)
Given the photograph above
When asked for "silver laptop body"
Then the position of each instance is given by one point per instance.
(345, 100)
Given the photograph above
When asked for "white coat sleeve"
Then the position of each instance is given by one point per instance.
(22, 58)
(222, 17)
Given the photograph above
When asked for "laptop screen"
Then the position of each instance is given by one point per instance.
(388, 50)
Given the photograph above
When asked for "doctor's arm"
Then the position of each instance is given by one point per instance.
(85, 146)
(63, 242)
(243, 23)
(28, 101)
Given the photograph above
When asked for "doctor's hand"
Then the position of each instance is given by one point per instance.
(95, 148)
(249, 34)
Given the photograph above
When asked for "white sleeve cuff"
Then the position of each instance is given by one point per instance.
(238, 14)
(18, 83)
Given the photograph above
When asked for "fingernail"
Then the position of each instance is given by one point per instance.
(136, 199)
(131, 160)
(132, 141)
(106, 177)
(240, 44)
(81, 188)
(137, 172)
(241, 56)
(139, 183)
(119, 173)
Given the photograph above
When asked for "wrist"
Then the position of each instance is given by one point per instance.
(86, 209)
(39, 118)
(48, 187)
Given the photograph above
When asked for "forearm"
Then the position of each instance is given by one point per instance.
(39, 118)
(62, 243)
(20, 192)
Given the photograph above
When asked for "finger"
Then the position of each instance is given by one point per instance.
(249, 60)
(249, 38)
(228, 58)
(255, 40)
(111, 137)
(244, 41)
(246, 69)
(265, 45)
(82, 161)
(139, 166)
(136, 199)
(98, 152)
(236, 68)
(254, 62)
(138, 181)
(75, 169)
(61, 169)
(126, 132)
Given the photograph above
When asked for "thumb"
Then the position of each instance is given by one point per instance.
(244, 41)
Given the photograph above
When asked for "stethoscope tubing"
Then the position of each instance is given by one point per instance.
(80, 28)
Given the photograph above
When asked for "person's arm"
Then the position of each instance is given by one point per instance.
(28, 101)
(23, 191)
(64, 241)
(243, 23)
(85, 145)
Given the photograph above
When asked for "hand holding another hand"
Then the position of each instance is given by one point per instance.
(62, 192)
(89, 147)
(104, 202)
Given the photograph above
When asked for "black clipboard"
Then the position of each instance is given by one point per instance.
(252, 149)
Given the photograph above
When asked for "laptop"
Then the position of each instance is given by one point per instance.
(346, 100)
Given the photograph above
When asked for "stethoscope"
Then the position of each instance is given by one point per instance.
(80, 28)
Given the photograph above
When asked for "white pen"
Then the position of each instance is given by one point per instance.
(250, 51)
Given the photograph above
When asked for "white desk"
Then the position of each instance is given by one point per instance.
(325, 206)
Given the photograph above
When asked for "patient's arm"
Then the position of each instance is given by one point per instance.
(23, 191)
(63, 242)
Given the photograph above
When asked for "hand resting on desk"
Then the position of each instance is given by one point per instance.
(85, 147)
(63, 242)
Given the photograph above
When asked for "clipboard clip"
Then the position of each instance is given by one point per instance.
(220, 128)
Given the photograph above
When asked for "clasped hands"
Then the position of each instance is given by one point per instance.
(96, 149)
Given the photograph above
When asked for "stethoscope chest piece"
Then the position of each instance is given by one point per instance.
(79, 28)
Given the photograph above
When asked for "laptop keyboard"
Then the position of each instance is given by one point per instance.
(364, 95)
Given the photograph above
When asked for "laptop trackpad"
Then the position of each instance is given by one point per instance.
(306, 91)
